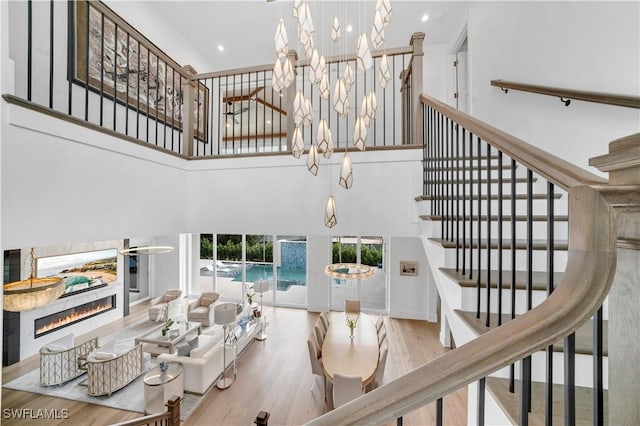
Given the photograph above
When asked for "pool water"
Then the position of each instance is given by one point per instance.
(286, 277)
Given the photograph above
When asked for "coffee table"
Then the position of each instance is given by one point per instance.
(155, 343)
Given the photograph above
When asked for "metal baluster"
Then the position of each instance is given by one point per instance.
(478, 278)
(29, 48)
(264, 115)
(115, 75)
(488, 321)
(458, 248)
(525, 390)
(241, 114)
(233, 122)
(598, 385)
(399, 421)
(51, 54)
(570, 380)
(445, 183)
(451, 175)
(439, 409)
(548, 396)
(86, 66)
(71, 42)
(481, 392)
(500, 197)
(164, 141)
(138, 72)
(529, 270)
(513, 263)
(220, 112)
(464, 202)
(101, 66)
(126, 100)
(470, 206)
(180, 132)
(148, 89)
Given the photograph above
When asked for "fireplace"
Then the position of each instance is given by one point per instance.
(50, 323)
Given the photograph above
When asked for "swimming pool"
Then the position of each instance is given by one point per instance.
(286, 277)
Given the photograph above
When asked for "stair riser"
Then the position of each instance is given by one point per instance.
(521, 187)
(468, 302)
(539, 259)
(539, 230)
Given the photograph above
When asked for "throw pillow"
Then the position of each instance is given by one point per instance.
(102, 356)
(52, 347)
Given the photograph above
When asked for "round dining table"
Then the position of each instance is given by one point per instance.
(352, 357)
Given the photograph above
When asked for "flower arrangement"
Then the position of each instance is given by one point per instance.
(351, 322)
(167, 325)
(250, 295)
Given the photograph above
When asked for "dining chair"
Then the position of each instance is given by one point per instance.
(379, 323)
(319, 335)
(382, 362)
(325, 319)
(322, 325)
(381, 337)
(352, 305)
(316, 362)
(381, 329)
(345, 388)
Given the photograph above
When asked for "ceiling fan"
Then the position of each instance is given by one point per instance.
(228, 113)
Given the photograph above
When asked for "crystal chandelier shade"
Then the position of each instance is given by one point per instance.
(346, 172)
(288, 73)
(341, 98)
(324, 139)
(330, 219)
(296, 7)
(315, 68)
(297, 147)
(384, 7)
(304, 18)
(282, 42)
(313, 160)
(363, 53)
(277, 77)
(336, 33)
(298, 108)
(360, 134)
(308, 113)
(348, 77)
(377, 32)
(325, 90)
(385, 73)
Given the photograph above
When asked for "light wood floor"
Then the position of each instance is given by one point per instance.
(274, 376)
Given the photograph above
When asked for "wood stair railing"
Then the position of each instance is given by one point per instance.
(581, 288)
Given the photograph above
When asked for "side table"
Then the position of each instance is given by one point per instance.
(160, 385)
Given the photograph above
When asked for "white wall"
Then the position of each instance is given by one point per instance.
(166, 270)
(593, 46)
(436, 67)
(412, 297)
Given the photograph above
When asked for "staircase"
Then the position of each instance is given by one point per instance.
(521, 246)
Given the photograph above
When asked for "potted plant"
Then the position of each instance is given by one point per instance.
(167, 326)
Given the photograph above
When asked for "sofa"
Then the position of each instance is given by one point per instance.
(113, 366)
(203, 366)
(61, 360)
(169, 300)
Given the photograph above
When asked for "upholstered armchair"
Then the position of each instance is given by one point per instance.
(110, 368)
(201, 310)
(160, 303)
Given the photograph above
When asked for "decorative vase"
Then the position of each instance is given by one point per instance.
(164, 332)
(351, 334)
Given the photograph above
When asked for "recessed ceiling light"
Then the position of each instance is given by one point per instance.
(221, 48)
(228, 125)
(268, 121)
(425, 17)
(349, 28)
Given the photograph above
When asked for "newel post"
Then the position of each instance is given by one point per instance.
(417, 41)
(189, 85)
(623, 165)
(288, 96)
(173, 406)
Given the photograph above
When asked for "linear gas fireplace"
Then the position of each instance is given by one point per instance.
(54, 322)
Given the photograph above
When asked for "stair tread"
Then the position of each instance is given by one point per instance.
(539, 278)
(474, 168)
(494, 218)
(584, 334)
(509, 402)
(484, 197)
(521, 244)
(484, 180)
(484, 157)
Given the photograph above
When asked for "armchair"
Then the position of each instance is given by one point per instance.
(201, 309)
(60, 361)
(162, 302)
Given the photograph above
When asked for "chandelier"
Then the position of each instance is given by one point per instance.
(31, 293)
(284, 76)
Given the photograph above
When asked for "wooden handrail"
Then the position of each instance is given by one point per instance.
(585, 285)
(552, 168)
(172, 415)
(566, 95)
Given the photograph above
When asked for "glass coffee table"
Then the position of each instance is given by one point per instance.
(155, 343)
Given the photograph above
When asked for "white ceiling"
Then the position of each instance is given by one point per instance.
(246, 28)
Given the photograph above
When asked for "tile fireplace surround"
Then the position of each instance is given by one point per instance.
(30, 345)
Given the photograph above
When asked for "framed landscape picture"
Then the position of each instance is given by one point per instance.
(408, 268)
(81, 272)
(114, 59)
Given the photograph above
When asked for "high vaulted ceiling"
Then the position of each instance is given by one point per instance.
(246, 28)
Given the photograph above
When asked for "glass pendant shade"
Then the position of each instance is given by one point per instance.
(298, 108)
(325, 90)
(324, 139)
(368, 108)
(330, 219)
(288, 73)
(360, 134)
(385, 73)
(336, 33)
(296, 7)
(306, 39)
(282, 42)
(304, 18)
(315, 68)
(313, 160)
(277, 78)
(341, 98)
(348, 77)
(377, 32)
(297, 145)
(346, 172)
(384, 7)
(363, 53)
(308, 113)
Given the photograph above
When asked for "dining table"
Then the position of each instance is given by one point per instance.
(357, 356)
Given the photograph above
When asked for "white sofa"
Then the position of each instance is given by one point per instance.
(203, 366)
